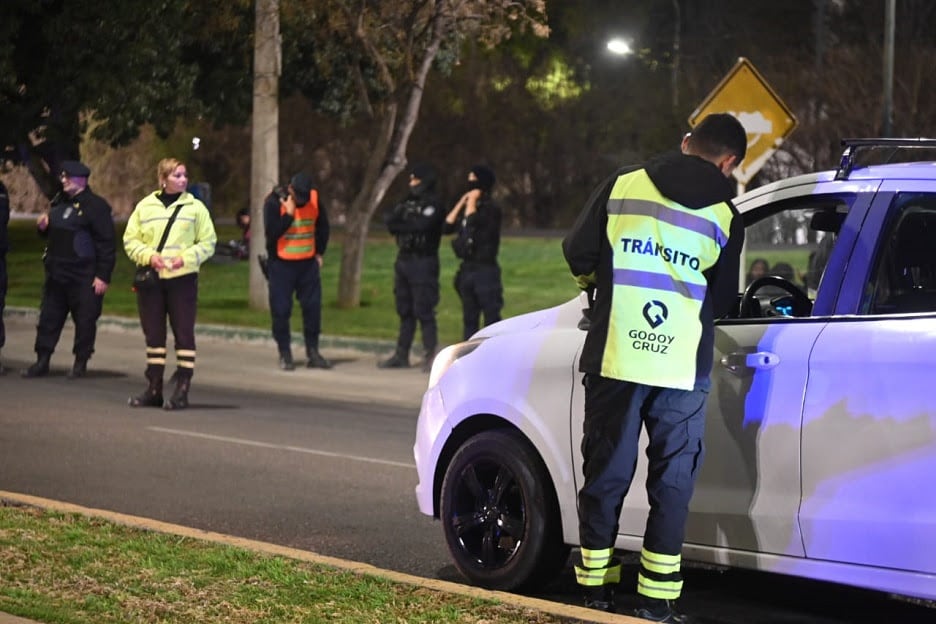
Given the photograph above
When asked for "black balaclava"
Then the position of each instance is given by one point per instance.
(427, 176)
(485, 177)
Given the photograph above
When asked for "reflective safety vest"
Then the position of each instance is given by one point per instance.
(298, 242)
(660, 250)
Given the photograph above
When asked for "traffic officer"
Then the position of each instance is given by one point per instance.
(657, 248)
(416, 222)
(4, 246)
(79, 259)
(476, 221)
(297, 231)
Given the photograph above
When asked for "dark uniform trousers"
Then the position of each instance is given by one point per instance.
(3, 292)
(675, 423)
(416, 290)
(73, 295)
(480, 289)
(176, 298)
(302, 278)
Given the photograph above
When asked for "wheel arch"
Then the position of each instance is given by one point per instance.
(467, 429)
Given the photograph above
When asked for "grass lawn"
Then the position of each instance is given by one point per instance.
(62, 568)
(534, 273)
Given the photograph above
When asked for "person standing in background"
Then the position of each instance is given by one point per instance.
(297, 231)
(476, 220)
(79, 259)
(416, 223)
(4, 247)
(190, 240)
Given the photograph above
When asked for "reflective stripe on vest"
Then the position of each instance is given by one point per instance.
(660, 250)
(298, 242)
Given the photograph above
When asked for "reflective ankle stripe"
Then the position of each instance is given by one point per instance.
(596, 558)
(661, 590)
(661, 564)
(598, 568)
(593, 577)
(659, 575)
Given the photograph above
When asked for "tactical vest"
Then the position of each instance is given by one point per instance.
(660, 250)
(298, 242)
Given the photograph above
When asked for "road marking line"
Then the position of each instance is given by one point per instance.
(282, 447)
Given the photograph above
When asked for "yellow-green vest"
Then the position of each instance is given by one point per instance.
(660, 250)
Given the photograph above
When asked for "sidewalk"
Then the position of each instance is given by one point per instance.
(232, 356)
(247, 359)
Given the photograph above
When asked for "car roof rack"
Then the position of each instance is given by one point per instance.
(853, 146)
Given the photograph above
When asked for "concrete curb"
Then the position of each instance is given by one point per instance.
(523, 602)
(233, 333)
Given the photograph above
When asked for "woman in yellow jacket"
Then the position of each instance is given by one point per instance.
(189, 241)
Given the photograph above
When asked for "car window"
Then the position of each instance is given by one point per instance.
(903, 279)
(798, 236)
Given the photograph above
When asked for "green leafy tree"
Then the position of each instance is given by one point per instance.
(372, 60)
(112, 67)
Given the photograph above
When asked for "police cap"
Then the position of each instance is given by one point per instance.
(75, 169)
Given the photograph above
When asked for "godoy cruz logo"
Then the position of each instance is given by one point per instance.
(655, 313)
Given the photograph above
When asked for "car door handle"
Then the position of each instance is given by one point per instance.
(759, 360)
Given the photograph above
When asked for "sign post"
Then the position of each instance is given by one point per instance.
(767, 120)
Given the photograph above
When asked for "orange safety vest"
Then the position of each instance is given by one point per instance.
(298, 242)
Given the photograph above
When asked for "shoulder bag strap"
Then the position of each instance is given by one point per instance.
(165, 234)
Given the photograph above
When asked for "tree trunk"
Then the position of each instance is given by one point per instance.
(264, 153)
(387, 160)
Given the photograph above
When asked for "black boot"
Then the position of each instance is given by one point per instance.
(315, 360)
(179, 398)
(151, 397)
(427, 360)
(600, 598)
(40, 368)
(399, 359)
(286, 361)
(79, 369)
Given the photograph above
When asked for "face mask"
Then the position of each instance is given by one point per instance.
(474, 184)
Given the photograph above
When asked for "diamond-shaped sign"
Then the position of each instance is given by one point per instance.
(745, 94)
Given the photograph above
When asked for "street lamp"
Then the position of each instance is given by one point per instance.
(619, 47)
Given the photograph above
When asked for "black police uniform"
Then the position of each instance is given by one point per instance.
(80, 247)
(4, 246)
(416, 222)
(477, 241)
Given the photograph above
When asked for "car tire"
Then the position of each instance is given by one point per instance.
(500, 515)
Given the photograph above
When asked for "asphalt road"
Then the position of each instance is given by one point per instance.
(263, 454)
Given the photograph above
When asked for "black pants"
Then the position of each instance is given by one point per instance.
(3, 292)
(61, 297)
(177, 300)
(302, 278)
(615, 411)
(416, 291)
(479, 287)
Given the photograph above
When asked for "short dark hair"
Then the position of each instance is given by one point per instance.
(719, 134)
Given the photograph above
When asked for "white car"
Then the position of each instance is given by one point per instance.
(821, 424)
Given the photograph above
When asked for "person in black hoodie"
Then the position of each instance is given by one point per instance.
(416, 223)
(476, 221)
(657, 249)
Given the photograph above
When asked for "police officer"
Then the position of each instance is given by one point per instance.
(658, 249)
(476, 221)
(297, 231)
(416, 222)
(79, 259)
(4, 246)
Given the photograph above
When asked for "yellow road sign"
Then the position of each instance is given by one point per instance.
(745, 94)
